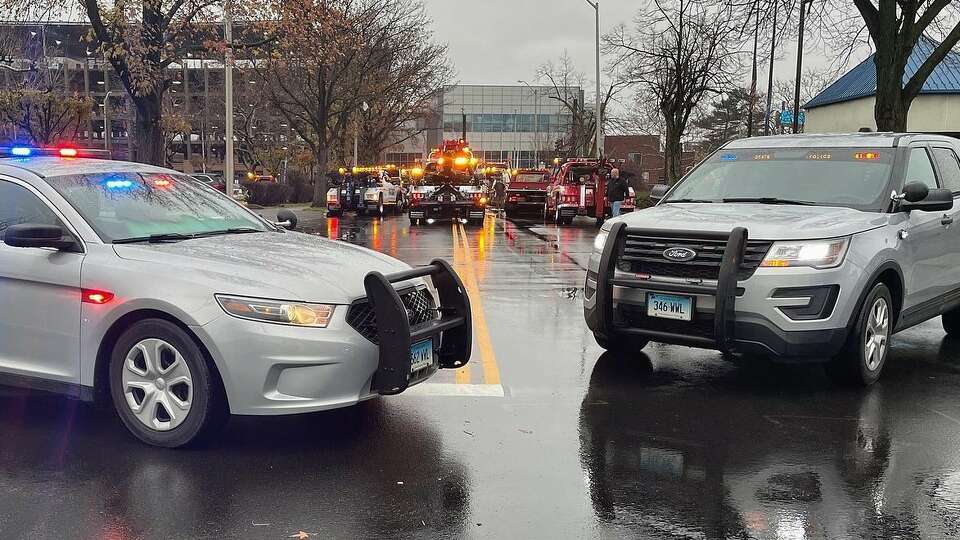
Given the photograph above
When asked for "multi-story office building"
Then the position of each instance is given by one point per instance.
(515, 124)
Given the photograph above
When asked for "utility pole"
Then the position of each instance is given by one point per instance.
(773, 46)
(595, 4)
(228, 97)
(753, 76)
(796, 94)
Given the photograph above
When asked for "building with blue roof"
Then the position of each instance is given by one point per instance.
(847, 104)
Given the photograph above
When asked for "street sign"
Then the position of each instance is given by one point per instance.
(786, 117)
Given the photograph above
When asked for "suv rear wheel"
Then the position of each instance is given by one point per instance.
(865, 353)
(161, 385)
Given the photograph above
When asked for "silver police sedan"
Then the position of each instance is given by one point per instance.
(140, 285)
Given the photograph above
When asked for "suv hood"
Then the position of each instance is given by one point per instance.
(283, 265)
(763, 221)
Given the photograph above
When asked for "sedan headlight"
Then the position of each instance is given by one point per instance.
(600, 240)
(277, 311)
(813, 253)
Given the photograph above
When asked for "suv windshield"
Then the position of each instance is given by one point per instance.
(123, 206)
(849, 177)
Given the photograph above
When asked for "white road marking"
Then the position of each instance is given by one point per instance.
(452, 389)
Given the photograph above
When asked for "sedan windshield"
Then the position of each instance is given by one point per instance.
(129, 206)
(848, 177)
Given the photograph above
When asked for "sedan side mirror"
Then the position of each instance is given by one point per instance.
(917, 196)
(32, 235)
(658, 192)
(287, 219)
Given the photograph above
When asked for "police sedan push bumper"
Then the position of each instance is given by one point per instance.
(399, 342)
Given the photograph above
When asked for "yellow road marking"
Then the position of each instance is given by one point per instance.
(462, 375)
(488, 360)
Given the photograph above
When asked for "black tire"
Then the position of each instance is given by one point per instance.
(621, 345)
(381, 209)
(853, 365)
(208, 409)
(951, 323)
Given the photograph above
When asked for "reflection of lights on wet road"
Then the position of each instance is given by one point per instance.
(375, 241)
(333, 228)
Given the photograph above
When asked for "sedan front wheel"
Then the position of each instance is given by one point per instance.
(162, 387)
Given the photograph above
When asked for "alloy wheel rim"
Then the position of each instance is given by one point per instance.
(877, 334)
(157, 384)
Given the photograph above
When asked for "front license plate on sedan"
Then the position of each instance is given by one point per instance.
(421, 355)
(668, 306)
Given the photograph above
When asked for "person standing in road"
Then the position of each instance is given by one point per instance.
(616, 192)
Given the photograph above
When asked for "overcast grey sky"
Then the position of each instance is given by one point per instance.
(502, 41)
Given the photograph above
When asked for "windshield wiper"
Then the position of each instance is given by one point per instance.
(768, 200)
(688, 201)
(232, 230)
(155, 238)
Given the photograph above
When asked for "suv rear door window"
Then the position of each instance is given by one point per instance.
(949, 168)
(919, 169)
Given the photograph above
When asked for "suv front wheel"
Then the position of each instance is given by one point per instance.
(868, 345)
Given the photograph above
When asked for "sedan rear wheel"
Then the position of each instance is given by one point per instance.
(161, 385)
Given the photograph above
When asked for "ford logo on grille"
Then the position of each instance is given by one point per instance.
(679, 254)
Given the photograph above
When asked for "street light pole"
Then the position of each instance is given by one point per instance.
(595, 4)
(773, 46)
(228, 97)
(106, 119)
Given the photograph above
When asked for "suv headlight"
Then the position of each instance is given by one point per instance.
(277, 311)
(813, 253)
(600, 240)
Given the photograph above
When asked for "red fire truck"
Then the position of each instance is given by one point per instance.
(527, 192)
(579, 188)
(449, 189)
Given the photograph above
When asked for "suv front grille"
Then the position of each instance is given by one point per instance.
(420, 309)
(643, 254)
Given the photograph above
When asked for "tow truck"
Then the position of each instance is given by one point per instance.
(345, 195)
(579, 188)
(381, 192)
(527, 192)
(449, 189)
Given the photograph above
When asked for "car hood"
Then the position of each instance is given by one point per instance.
(763, 221)
(298, 266)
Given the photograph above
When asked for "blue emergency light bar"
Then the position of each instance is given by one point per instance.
(61, 151)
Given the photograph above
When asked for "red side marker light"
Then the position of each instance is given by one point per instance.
(93, 296)
(68, 152)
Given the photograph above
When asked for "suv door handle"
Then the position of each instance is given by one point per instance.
(946, 221)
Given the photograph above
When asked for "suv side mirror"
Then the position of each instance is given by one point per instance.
(917, 196)
(31, 235)
(658, 191)
(287, 219)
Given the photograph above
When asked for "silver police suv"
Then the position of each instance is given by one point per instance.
(814, 247)
(152, 290)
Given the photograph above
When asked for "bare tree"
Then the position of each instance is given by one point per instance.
(566, 84)
(894, 28)
(324, 65)
(676, 55)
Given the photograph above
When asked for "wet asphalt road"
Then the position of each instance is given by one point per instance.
(543, 436)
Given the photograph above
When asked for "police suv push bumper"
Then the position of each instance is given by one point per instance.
(602, 321)
(453, 329)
